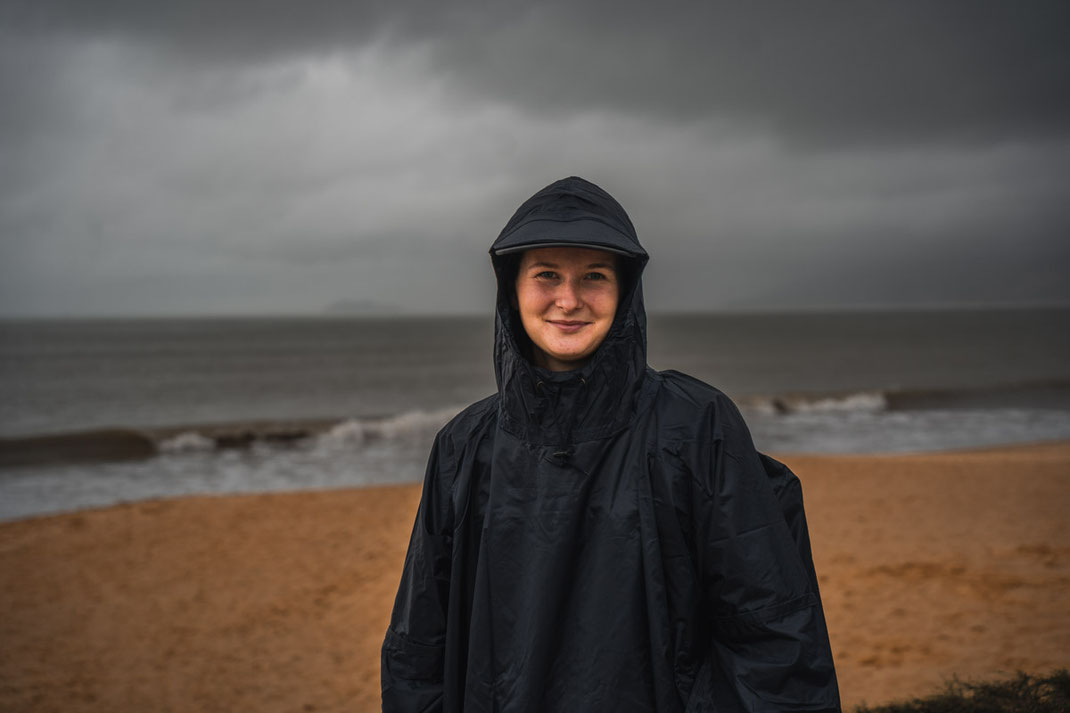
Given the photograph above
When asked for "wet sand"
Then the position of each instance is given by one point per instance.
(930, 566)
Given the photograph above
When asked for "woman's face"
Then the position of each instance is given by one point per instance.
(567, 298)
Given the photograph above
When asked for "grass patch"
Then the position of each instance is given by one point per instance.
(1022, 694)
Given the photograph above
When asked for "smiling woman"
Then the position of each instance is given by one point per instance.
(567, 299)
(600, 536)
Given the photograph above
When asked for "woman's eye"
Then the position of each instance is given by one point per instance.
(596, 276)
(546, 275)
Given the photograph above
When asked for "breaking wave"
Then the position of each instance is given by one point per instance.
(186, 442)
(329, 437)
(123, 444)
(865, 401)
(1042, 395)
(410, 424)
(314, 434)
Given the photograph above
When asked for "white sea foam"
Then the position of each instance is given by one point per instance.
(868, 401)
(188, 442)
(858, 401)
(904, 431)
(409, 424)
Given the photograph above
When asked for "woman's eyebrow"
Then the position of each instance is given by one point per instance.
(554, 265)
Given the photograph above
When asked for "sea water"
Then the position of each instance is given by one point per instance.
(361, 398)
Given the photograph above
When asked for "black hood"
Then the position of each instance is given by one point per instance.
(591, 402)
(571, 212)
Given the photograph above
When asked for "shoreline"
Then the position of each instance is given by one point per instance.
(930, 564)
(283, 428)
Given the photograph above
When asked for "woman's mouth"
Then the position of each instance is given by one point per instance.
(568, 326)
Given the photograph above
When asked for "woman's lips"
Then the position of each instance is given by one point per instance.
(568, 326)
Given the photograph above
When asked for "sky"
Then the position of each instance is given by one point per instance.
(245, 158)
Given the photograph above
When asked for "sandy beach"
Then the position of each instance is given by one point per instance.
(931, 565)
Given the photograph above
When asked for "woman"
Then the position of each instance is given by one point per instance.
(598, 536)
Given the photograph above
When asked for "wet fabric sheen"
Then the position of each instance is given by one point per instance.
(606, 539)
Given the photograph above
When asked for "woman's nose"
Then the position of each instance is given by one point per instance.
(568, 296)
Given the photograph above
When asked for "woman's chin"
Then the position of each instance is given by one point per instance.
(566, 360)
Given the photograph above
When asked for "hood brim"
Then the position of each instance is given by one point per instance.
(577, 233)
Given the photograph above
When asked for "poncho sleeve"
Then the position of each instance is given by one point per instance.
(769, 648)
(412, 654)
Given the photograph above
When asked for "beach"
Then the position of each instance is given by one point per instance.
(931, 566)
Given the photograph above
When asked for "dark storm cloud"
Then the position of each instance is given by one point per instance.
(820, 72)
(924, 226)
(236, 156)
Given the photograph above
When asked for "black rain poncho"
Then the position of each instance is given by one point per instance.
(605, 539)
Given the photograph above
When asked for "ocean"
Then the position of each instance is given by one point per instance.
(270, 404)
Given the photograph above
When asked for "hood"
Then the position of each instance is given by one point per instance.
(564, 407)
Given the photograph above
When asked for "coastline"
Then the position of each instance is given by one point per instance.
(931, 565)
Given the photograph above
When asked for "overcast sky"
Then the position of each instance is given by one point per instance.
(243, 157)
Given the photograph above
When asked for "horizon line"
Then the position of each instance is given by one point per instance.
(406, 314)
